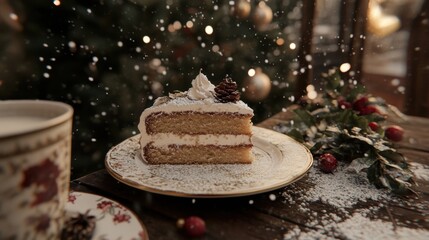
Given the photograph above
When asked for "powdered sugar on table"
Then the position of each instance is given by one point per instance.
(355, 209)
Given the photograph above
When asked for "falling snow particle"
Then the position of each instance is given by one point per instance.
(395, 82)
(46, 75)
(209, 30)
(345, 67)
(120, 44)
(72, 44)
(251, 72)
(146, 39)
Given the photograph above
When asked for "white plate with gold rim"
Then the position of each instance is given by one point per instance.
(279, 161)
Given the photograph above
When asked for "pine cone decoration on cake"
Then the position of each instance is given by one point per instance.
(226, 91)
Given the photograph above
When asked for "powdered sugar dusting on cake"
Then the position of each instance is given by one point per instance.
(185, 101)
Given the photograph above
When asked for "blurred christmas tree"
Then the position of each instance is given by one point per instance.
(110, 58)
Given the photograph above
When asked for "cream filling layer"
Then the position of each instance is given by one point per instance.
(165, 139)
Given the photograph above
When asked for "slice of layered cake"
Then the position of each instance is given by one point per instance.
(205, 125)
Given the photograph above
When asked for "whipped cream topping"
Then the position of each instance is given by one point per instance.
(201, 88)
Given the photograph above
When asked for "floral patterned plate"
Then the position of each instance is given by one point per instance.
(113, 220)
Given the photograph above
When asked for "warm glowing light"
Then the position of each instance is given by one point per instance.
(292, 46)
(395, 82)
(57, 2)
(209, 30)
(146, 39)
(280, 41)
(215, 48)
(345, 67)
(189, 24)
(312, 95)
(171, 28)
(13, 16)
(310, 88)
(72, 44)
(177, 25)
(251, 72)
(311, 92)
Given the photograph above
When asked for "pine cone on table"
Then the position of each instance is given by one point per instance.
(226, 91)
(80, 227)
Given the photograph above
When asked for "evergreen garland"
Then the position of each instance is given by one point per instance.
(337, 122)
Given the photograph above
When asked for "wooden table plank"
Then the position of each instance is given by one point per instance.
(222, 215)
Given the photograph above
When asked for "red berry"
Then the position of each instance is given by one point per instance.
(343, 104)
(194, 226)
(327, 162)
(368, 110)
(394, 133)
(360, 103)
(374, 126)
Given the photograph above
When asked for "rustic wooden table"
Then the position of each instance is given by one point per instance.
(317, 206)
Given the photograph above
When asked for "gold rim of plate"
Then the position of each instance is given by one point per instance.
(260, 134)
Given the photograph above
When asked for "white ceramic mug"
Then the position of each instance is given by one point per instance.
(35, 155)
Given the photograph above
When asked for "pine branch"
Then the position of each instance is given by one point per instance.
(326, 126)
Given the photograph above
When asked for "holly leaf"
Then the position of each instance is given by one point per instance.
(327, 128)
(395, 157)
(398, 186)
(305, 117)
(360, 164)
(296, 134)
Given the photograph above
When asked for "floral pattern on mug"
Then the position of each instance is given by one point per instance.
(46, 183)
